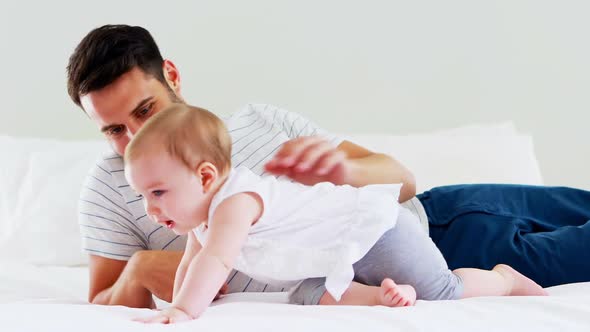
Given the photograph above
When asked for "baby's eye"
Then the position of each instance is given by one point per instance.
(158, 193)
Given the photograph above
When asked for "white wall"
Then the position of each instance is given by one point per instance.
(354, 66)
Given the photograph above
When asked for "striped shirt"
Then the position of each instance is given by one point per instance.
(112, 218)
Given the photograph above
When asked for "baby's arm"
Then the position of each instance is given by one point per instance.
(209, 269)
(192, 249)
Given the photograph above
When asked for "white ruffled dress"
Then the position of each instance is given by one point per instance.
(308, 231)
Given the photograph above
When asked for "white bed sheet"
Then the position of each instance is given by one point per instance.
(53, 299)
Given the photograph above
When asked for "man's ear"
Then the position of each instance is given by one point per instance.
(172, 76)
(208, 174)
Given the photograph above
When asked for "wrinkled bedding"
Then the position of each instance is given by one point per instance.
(53, 299)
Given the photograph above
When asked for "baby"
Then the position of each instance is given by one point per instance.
(314, 239)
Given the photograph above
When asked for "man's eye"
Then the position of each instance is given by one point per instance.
(116, 130)
(145, 111)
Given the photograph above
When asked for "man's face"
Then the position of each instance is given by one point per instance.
(120, 108)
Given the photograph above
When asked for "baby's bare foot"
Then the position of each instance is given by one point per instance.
(394, 295)
(521, 285)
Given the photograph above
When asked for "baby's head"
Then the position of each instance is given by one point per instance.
(177, 160)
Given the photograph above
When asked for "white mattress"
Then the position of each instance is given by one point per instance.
(53, 299)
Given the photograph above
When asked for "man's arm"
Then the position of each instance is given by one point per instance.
(132, 283)
(104, 272)
(312, 159)
(372, 168)
(315, 155)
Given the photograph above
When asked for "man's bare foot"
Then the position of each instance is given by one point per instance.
(394, 295)
(521, 285)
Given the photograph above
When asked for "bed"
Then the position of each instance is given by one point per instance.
(43, 273)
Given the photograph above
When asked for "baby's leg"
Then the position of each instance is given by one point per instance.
(313, 291)
(389, 294)
(502, 280)
(407, 255)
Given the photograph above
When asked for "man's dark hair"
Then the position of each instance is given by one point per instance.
(108, 52)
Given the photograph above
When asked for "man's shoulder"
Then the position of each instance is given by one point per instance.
(108, 170)
(107, 162)
(253, 113)
(256, 109)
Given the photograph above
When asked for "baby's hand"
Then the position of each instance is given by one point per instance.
(167, 316)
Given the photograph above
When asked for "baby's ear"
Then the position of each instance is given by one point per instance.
(208, 174)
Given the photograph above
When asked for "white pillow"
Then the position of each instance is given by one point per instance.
(41, 181)
(438, 160)
(496, 129)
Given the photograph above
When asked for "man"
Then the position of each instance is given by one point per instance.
(118, 77)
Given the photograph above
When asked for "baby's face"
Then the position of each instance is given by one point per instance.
(172, 194)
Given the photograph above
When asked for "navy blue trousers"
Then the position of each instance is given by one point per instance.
(543, 232)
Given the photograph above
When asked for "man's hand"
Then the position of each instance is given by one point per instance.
(132, 283)
(169, 315)
(310, 160)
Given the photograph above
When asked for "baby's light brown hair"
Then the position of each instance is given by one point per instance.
(190, 134)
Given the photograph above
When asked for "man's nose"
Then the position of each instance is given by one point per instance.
(132, 129)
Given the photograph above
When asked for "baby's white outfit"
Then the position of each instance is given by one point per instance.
(308, 231)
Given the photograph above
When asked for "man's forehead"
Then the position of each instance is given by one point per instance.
(120, 96)
(100, 107)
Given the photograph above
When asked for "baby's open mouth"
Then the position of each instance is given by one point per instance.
(169, 224)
